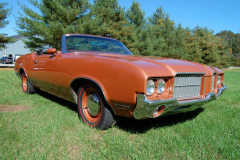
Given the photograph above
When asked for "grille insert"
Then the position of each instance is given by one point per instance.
(187, 85)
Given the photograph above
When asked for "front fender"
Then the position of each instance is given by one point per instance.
(119, 81)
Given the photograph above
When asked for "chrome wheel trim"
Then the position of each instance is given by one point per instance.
(93, 104)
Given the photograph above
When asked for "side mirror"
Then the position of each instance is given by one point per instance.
(51, 50)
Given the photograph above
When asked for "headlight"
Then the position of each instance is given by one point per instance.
(150, 87)
(219, 80)
(161, 86)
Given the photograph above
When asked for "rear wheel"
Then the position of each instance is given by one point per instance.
(93, 108)
(27, 86)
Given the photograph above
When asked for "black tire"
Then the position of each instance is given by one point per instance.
(27, 86)
(98, 114)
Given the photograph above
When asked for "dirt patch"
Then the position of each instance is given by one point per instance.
(6, 69)
(73, 151)
(12, 108)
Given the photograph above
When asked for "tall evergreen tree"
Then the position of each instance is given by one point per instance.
(236, 45)
(214, 51)
(161, 34)
(233, 40)
(236, 48)
(227, 36)
(135, 15)
(4, 13)
(193, 50)
(108, 19)
(137, 22)
(159, 17)
(57, 17)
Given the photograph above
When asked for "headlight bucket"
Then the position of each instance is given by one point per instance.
(150, 87)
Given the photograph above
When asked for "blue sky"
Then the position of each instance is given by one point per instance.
(217, 15)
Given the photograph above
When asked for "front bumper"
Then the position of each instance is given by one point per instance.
(146, 108)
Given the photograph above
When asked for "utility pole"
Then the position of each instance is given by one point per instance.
(5, 47)
(5, 50)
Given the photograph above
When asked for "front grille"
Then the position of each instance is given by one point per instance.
(187, 85)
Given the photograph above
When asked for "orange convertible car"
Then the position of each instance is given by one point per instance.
(106, 80)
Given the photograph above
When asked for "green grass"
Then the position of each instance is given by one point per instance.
(43, 126)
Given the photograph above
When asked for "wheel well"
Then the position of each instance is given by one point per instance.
(77, 83)
(21, 71)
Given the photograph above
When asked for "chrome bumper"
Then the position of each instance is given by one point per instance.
(146, 108)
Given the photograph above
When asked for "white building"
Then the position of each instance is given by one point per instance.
(15, 49)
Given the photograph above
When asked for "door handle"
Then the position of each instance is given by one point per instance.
(35, 62)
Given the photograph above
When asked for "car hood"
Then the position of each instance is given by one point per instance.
(158, 66)
(165, 66)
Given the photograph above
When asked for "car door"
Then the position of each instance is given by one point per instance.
(46, 72)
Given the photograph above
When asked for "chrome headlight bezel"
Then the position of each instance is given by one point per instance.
(161, 86)
(150, 87)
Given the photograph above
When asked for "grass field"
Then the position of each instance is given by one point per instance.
(42, 126)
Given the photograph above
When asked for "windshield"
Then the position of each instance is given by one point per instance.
(97, 44)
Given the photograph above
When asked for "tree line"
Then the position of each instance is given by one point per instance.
(157, 35)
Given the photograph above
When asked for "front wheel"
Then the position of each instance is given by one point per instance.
(93, 108)
(27, 86)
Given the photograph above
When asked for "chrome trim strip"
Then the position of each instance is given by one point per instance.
(189, 73)
(145, 108)
(121, 106)
(189, 98)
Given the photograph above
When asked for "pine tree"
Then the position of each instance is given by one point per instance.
(227, 36)
(135, 15)
(206, 48)
(177, 48)
(57, 17)
(206, 44)
(236, 48)
(233, 40)
(224, 52)
(161, 33)
(4, 13)
(236, 45)
(137, 22)
(159, 17)
(108, 19)
(193, 50)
